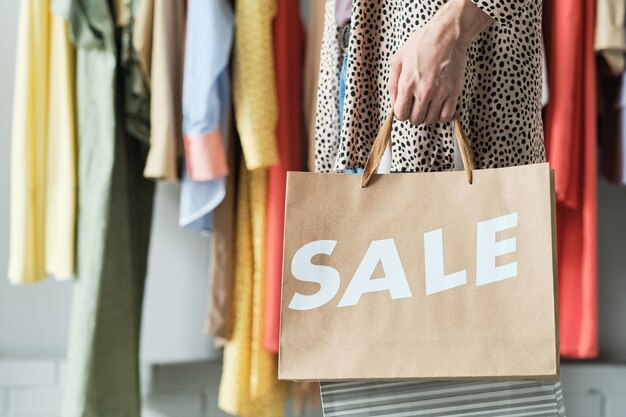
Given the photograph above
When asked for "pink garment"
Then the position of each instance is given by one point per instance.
(206, 156)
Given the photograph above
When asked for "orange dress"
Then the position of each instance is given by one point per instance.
(288, 59)
(570, 135)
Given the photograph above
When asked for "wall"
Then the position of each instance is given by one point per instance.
(32, 388)
(33, 319)
(612, 267)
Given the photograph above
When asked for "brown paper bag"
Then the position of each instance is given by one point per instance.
(446, 275)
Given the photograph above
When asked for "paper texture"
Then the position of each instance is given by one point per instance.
(499, 324)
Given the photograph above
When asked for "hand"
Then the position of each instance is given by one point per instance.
(427, 71)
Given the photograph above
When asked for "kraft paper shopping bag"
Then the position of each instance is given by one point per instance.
(447, 275)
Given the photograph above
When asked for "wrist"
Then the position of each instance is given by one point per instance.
(462, 20)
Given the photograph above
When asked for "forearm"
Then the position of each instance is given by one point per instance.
(462, 20)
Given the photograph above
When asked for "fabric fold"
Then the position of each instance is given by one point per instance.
(206, 156)
(158, 39)
(206, 111)
(43, 149)
(288, 60)
(114, 219)
(571, 147)
(254, 82)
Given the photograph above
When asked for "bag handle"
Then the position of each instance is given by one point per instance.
(384, 137)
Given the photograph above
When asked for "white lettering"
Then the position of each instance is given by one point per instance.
(394, 280)
(436, 280)
(488, 249)
(327, 277)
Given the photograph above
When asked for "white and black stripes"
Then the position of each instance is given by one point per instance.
(443, 399)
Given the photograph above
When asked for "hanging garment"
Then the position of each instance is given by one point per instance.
(329, 107)
(158, 38)
(250, 386)
(43, 149)
(206, 111)
(136, 94)
(115, 208)
(610, 46)
(61, 187)
(219, 322)
(315, 29)
(254, 82)
(288, 60)
(612, 128)
(571, 148)
(610, 35)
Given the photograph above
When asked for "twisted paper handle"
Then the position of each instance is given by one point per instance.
(384, 137)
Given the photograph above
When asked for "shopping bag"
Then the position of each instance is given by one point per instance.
(446, 275)
(443, 398)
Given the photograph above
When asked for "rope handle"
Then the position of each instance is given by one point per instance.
(384, 137)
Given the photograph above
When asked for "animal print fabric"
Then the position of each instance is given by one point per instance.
(499, 107)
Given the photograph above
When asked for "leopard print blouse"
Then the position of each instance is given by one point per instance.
(499, 107)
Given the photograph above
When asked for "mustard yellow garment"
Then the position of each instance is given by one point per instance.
(254, 82)
(43, 150)
(250, 386)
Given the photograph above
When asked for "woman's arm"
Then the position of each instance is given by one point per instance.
(427, 71)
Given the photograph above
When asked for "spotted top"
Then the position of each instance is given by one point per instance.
(499, 107)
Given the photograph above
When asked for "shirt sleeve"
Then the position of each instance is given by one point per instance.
(502, 10)
(206, 88)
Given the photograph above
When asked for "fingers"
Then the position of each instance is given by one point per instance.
(435, 107)
(404, 99)
(448, 109)
(418, 100)
(418, 112)
(394, 78)
(423, 102)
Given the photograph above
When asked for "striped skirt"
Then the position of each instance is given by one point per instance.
(443, 399)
